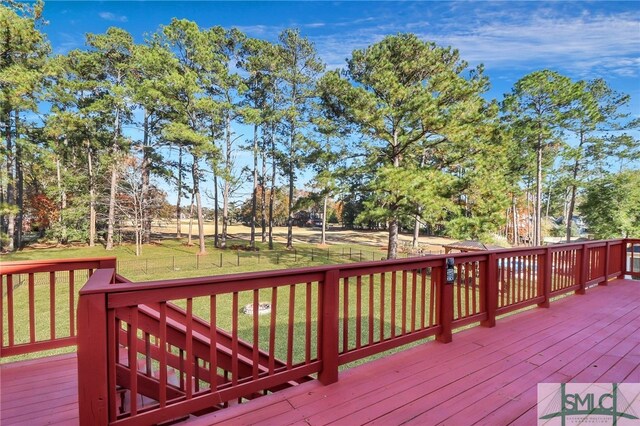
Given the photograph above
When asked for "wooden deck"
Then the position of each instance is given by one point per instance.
(485, 376)
(43, 391)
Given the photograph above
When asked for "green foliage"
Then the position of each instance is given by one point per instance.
(611, 207)
(409, 97)
(402, 136)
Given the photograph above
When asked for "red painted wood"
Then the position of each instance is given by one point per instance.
(557, 340)
(382, 303)
(291, 320)
(446, 304)
(329, 331)
(92, 353)
(371, 308)
(358, 317)
(307, 331)
(392, 309)
(558, 277)
(345, 314)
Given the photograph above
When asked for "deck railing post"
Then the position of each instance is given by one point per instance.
(583, 270)
(329, 352)
(445, 290)
(93, 388)
(544, 275)
(490, 290)
(623, 258)
(109, 263)
(607, 256)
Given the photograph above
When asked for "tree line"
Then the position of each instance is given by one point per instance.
(401, 138)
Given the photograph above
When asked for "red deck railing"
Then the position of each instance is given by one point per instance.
(54, 283)
(157, 351)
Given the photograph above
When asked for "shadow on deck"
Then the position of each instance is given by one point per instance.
(485, 376)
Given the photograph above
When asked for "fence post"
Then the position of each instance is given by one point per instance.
(221, 259)
(238, 254)
(93, 384)
(329, 315)
(544, 275)
(445, 301)
(491, 290)
(197, 261)
(583, 271)
(277, 258)
(607, 256)
(173, 263)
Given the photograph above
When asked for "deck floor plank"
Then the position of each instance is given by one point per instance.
(553, 345)
(486, 376)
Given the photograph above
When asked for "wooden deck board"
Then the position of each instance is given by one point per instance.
(39, 392)
(486, 376)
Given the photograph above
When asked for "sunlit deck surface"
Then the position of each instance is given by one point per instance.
(485, 376)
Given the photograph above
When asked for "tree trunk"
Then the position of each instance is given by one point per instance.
(63, 201)
(92, 199)
(178, 207)
(516, 228)
(216, 239)
(112, 204)
(146, 173)
(291, 185)
(114, 181)
(272, 193)
(416, 232)
(254, 195)
(11, 217)
(196, 191)
(572, 199)
(263, 195)
(392, 248)
(537, 234)
(323, 238)
(19, 184)
(189, 240)
(227, 184)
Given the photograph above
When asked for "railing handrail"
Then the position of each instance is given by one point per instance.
(283, 274)
(26, 332)
(103, 304)
(53, 265)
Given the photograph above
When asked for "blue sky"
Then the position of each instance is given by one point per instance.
(583, 40)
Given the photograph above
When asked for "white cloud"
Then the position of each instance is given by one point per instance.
(583, 44)
(108, 16)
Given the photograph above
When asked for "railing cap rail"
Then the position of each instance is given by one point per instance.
(50, 265)
(418, 262)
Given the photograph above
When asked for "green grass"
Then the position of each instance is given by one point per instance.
(171, 259)
(166, 259)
